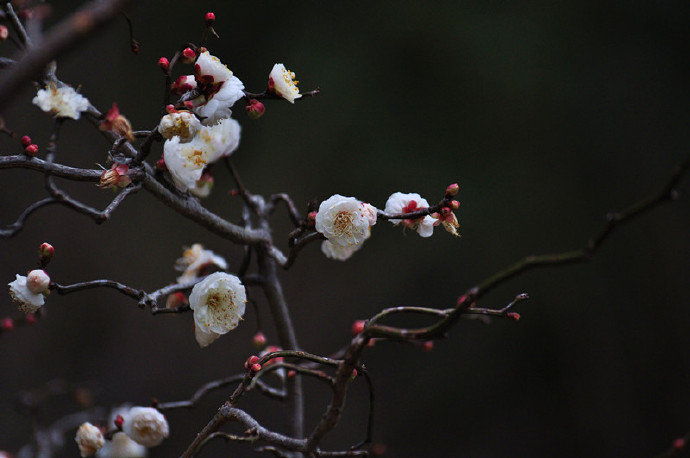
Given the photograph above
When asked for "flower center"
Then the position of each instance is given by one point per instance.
(343, 223)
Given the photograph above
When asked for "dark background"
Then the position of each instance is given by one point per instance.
(548, 114)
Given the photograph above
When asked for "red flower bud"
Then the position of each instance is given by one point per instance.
(428, 345)
(188, 104)
(259, 340)
(210, 18)
(311, 218)
(452, 189)
(164, 64)
(7, 324)
(291, 373)
(31, 150)
(119, 421)
(45, 253)
(30, 318)
(26, 141)
(678, 444)
(170, 108)
(251, 361)
(513, 316)
(454, 204)
(188, 55)
(160, 164)
(255, 109)
(4, 33)
(256, 368)
(357, 327)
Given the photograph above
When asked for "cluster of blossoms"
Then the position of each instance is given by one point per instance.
(137, 429)
(346, 222)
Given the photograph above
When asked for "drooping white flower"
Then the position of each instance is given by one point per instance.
(282, 82)
(181, 123)
(216, 103)
(208, 69)
(145, 426)
(344, 221)
(29, 294)
(341, 253)
(204, 337)
(121, 446)
(399, 203)
(63, 102)
(195, 259)
(186, 161)
(89, 439)
(218, 302)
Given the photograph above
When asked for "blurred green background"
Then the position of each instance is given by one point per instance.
(548, 114)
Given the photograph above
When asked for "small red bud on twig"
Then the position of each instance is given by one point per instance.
(30, 318)
(255, 109)
(26, 141)
(31, 150)
(513, 316)
(160, 164)
(164, 64)
(119, 421)
(678, 444)
(7, 324)
(452, 189)
(357, 327)
(291, 373)
(45, 253)
(251, 361)
(4, 33)
(256, 368)
(428, 345)
(259, 340)
(454, 204)
(188, 104)
(188, 55)
(210, 18)
(311, 219)
(170, 108)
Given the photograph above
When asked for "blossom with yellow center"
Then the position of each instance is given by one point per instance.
(345, 221)
(282, 81)
(218, 302)
(63, 102)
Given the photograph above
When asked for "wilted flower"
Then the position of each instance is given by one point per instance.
(218, 302)
(282, 82)
(195, 259)
(89, 439)
(344, 221)
(181, 123)
(145, 426)
(448, 219)
(116, 122)
(115, 177)
(28, 291)
(186, 161)
(64, 101)
(399, 203)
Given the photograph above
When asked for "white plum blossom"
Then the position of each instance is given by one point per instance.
(28, 291)
(194, 260)
(218, 302)
(215, 106)
(345, 221)
(145, 426)
(181, 123)
(399, 203)
(341, 253)
(209, 69)
(282, 82)
(186, 161)
(121, 446)
(89, 439)
(63, 102)
(203, 337)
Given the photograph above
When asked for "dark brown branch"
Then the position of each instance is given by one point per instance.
(17, 24)
(297, 247)
(124, 289)
(270, 95)
(295, 217)
(58, 170)
(14, 228)
(63, 37)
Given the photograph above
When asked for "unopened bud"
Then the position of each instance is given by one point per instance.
(452, 189)
(26, 141)
(37, 281)
(251, 361)
(255, 109)
(291, 373)
(357, 327)
(30, 318)
(164, 64)
(119, 421)
(7, 324)
(259, 340)
(176, 300)
(188, 55)
(678, 444)
(170, 108)
(428, 345)
(256, 368)
(45, 253)
(188, 104)
(160, 164)
(210, 18)
(4, 33)
(454, 204)
(353, 375)
(311, 218)
(31, 150)
(513, 316)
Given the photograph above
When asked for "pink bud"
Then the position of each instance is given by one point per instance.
(454, 204)
(210, 18)
(357, 327)
(7, 324)
(26, 141)
(31, 150)
(188, 55)
(513, 316)
(250, 361)
(160, 164)
(291, 373)
(4, 33)
(30, 318)
(259, 340)
(164, 64)
(45, 253)
(170, 108)
(188, 104)
(452, 189)
(119, 421)
(428, 345)
(678, 444)
(256, 368)
(255, 109)
(445, 212)
(37, 281)
(311, 218)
